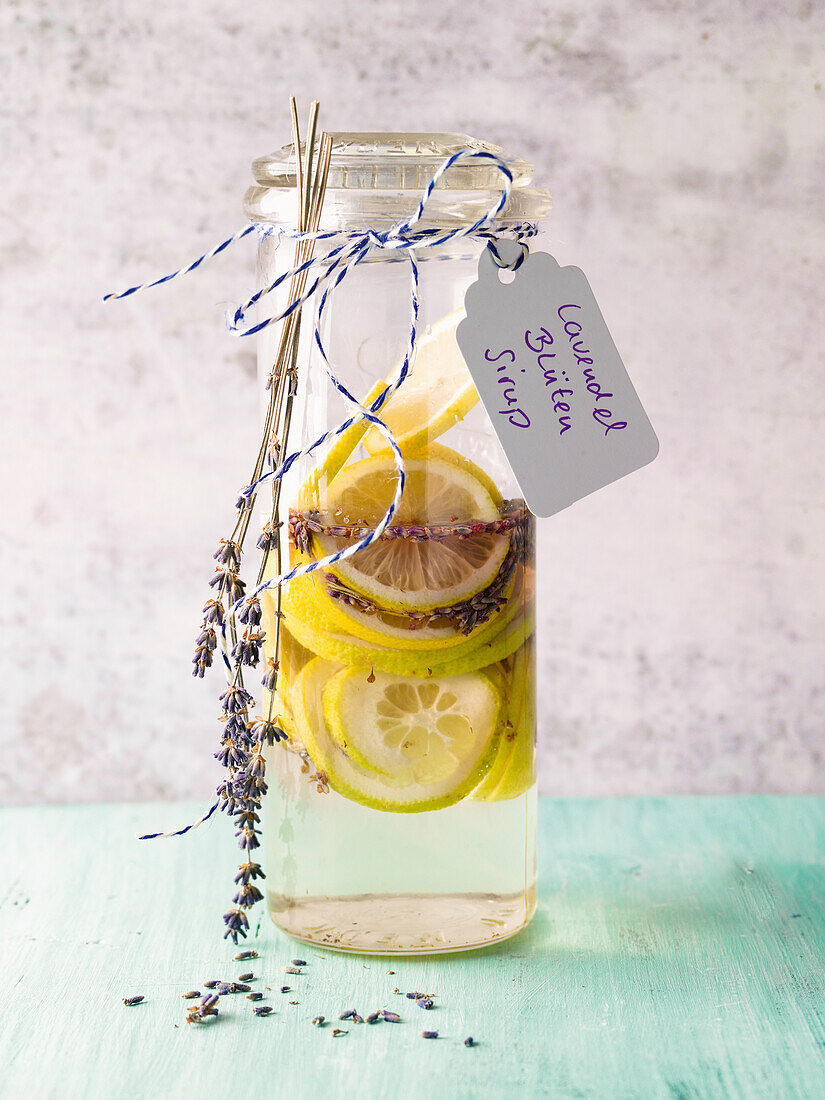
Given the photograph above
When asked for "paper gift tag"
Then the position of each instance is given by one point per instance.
(552, 381)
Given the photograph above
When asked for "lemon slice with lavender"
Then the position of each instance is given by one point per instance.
(414, 573)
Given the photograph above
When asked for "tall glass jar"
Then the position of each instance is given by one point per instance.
(400, 813)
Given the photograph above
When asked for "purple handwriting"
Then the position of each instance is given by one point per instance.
(603, 414)
(517, 416)
(540, 346)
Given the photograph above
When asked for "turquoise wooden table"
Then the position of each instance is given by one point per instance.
(678, 952)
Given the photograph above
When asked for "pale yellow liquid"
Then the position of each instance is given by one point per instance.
(353, 878)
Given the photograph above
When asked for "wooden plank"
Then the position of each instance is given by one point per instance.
(678, 952)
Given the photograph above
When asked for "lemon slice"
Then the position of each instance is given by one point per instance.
(415, 731)
(336, 645)
(437, 392)
(513, 770)
(404, 573)
(310, 599)
(446, 779)
(339, 453)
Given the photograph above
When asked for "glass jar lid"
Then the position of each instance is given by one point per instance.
(378, 178)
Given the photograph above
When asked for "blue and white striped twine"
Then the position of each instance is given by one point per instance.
(334, 266)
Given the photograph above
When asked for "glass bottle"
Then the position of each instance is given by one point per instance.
(400, 813)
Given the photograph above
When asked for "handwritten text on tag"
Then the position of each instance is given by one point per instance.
(552, 382)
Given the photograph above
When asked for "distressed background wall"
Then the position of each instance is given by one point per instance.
(683, 609)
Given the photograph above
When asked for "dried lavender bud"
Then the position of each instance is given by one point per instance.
(268, 539)
(228, 553)
(286, 988)
(190, 996)
(318, 1020)
(347, 1015)
(211, 984)
(248, 895)
(298, 962)
(247, 977)
(373, 1017)
(254, 996)
(133, 1000)
(338, 1031)
(238, 987)
(290, 970)
(357, 1019)
(270, 677)
(213, 612)
(262, 1010)
(267, 732)
(247, 871)
(429, 1034)
(235, 699)
(246, 954)
(250, 612)
(422, 1003)
(468, 1042)
(397, 990)
(247, 650)
(224, 988)
(391, 1017)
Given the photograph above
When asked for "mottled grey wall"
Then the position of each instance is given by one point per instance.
(684, 142)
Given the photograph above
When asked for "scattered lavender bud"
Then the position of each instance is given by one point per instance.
(397, 990)
(391, 972)
(468, 1042)
(213, 983)
(238, 987)
(347, 1015)
(290, 970)
(391, 1017)
(424, 1002)
(262, 1010)
(254, 996)
(357, 1019)
(294, 1002)
(191, 994)
(245, 955)
(298, 962)
(373, 1017)
(429, 1034)
(338, 1031)
(286, 988)
(133, 1000)
(247, 977)
(223, 988)
(318, 1020)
